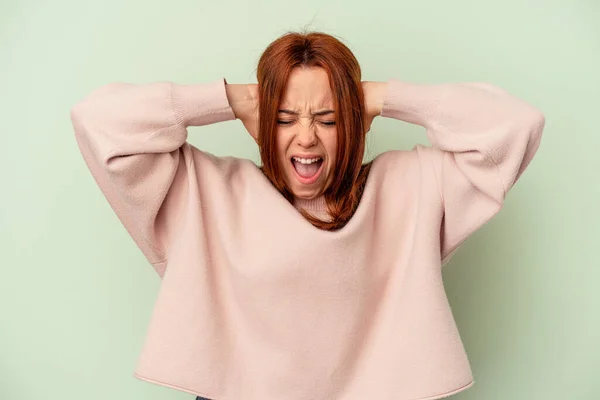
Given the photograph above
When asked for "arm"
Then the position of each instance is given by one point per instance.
(133, 140)
(483, 138)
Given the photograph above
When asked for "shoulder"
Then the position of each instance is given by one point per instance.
(224, 165)
(408, 171)
(420, 159)
(226, 172)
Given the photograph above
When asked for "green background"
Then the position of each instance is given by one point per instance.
(76, 294)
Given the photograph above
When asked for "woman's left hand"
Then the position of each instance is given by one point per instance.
(374, 93)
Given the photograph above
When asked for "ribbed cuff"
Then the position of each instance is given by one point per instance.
(316, 204)
(201, 104)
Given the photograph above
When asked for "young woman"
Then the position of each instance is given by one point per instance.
(314, 276)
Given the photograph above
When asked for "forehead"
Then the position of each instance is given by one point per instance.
(307, 88)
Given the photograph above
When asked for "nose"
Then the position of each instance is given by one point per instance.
(306, 135)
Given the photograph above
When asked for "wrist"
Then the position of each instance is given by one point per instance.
(374, 97)
(239, 97)
(378, 96)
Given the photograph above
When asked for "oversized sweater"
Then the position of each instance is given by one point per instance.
(255, 302)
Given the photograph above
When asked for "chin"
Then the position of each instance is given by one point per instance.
(305, 196)
(305, 193)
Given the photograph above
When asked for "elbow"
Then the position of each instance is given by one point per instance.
(536, 122)
(535, 126)
(80, 111)
(77, 116)
(531, 121)
(76, 113)
(536, 116)
(540, 119)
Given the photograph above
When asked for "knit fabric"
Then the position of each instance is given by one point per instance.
(255, 302)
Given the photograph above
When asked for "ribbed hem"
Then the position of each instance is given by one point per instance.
(201, 104)
(316, 204)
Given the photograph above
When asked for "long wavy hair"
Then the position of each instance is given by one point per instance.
(316, 49)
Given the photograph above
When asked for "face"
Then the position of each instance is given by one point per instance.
(306, 133)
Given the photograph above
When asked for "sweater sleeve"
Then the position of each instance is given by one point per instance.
(482, 140)
(132, 138)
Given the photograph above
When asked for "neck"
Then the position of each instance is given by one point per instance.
(316, 204)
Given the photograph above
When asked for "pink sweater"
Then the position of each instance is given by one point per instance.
(256, 303)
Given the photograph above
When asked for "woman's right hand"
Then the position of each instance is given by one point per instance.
(243, 99)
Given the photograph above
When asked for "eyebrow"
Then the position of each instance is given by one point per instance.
(318, 113)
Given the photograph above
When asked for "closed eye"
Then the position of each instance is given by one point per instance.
(326, 123)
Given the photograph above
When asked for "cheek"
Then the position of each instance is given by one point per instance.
(281, 145)
(330, 144)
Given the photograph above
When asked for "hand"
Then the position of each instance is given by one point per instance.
(374, 94)
(243, 99)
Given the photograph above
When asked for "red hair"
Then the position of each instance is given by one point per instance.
(315, 49)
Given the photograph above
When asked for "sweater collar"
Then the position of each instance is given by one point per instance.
(318, 204)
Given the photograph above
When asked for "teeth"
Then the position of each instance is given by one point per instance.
(306, 160)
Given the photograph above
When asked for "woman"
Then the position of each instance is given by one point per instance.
(314, 276)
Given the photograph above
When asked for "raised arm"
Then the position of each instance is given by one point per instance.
(482, 140)
(133, 140)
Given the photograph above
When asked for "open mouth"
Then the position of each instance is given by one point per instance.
(307, 169)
